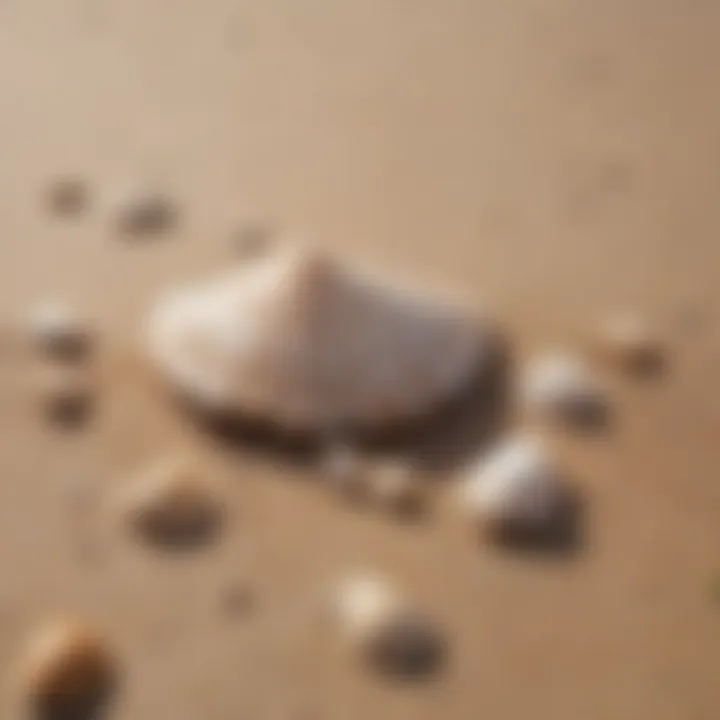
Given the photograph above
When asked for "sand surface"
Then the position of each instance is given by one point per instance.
(549, 160)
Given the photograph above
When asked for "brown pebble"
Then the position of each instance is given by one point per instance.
(58, 332)
(146, 212)
(65, 393)
(237, 598)
(173, 504)
(67, 666)
(251, 239)
(385, 630)
(67, 196)
(632, 345)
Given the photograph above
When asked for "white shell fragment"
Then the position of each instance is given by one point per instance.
(300, 340)
(384, 629)
(516, 490)
(57, 330)
(66, 667)
(345, 471)
(561, 386)
(396, 488)
(172, 503)
(631, 344)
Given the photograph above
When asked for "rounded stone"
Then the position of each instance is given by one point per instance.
(630, 344)
(57, 330)
(67, 665)
(517, 494)
(143, 211)
(67, 196)
(251, 238)
(65, 393)
(173, 504)
(407, 645)
(384, 630)
(560, 386)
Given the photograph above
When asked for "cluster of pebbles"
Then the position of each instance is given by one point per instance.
(137, 210)
(310, 345)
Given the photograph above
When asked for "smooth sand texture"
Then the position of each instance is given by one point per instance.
(554, 160)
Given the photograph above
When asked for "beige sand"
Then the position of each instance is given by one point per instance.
(555, 160)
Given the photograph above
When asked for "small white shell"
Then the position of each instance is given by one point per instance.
(345, 471)
(363, 603)
(395, 487)
(561, 386)
(514, 487)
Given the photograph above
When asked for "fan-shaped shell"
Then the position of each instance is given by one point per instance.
(300, 340)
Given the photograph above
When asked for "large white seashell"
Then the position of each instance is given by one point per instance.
(515, 488)
(305, 342)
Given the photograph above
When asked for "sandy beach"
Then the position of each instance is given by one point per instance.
(549, 162)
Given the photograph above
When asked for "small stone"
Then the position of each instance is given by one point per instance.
(237, 598)
(251, 239)
(67, 196)
(562, 387)
(146, 212)
(409, 645)
(67, 670)
(516, 494)
(344, 470)
(396, 488)
(65, 393)
(631, 344)
(173, 504)
(58, 331)
(385, 630)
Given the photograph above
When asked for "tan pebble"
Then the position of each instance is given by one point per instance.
(66, 664)
(58, 331)
(396, 488)
(145, 211)
(67, 196)
(252, 238)
(173, 503)
(237, 598)
(631, 344)
(65, 393)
